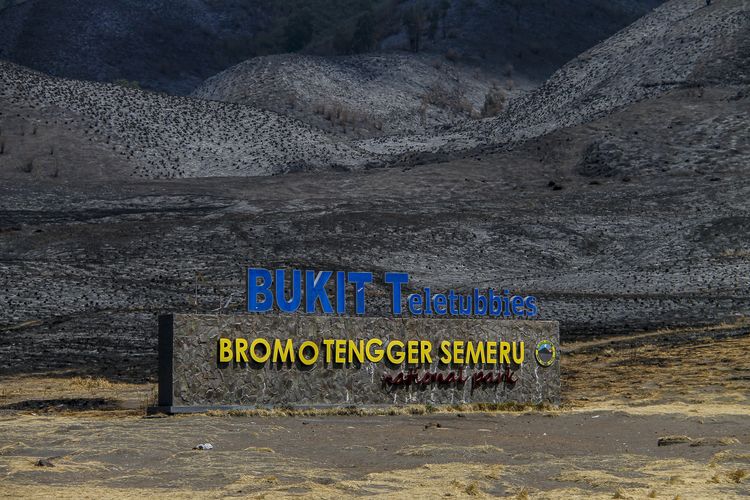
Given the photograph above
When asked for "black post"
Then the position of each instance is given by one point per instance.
(166, 337)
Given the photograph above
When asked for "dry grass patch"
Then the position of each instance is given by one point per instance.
(729, 456)
(523, 494)
(90, 383)
(720, 441)
(642, 380)
(94, 491)
(417, 409)
(428, 450)
(428, 481)
(675, 480)
(632, 476)
(259, 450)
(32, 391)
(472, 489)
(737, 475)
(25, 465)
(594, 478)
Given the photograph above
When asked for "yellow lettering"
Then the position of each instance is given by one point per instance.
(518, 353)
(412, 347)
(254, 354)
(475, 353)
(283, 352)
(398, 357)
(340, 350)
(356, 350)
(445, 349)
(329, 356)
(240, 346)
(374, 355)
(425, 348)
(458, 352)
(312, 359)
(504, 352)
(225, 350)
(491, 352)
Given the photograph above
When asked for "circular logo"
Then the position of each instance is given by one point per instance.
(545, 353)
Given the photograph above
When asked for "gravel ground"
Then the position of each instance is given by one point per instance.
(657, 416)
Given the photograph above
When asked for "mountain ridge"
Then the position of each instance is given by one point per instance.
(172, 45)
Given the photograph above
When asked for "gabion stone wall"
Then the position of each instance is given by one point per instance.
(192, 376)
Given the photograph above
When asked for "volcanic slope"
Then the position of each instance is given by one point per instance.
(534, 37)
(174, 45)
(363, 95)
(166, 45)
(637, 219)
(681, 44)
(147, 134)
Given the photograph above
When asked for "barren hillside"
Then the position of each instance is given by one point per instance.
(534, 37)
(59, 128)
(52, 127)
(173, 45)
(362, 95)
(682, 44)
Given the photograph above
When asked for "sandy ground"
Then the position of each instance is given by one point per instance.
(688, 390)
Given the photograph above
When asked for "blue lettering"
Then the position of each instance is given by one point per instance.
(427, 301)
(532, 310)
(464, 305)
(359, 280)
(340, 292)
(315, 291)
(452, 303)
(439, 301)
(480, 303)
(496, 303)
(254, 289)
(292, 304)
(415, 304)
(396, 280)
(517, 305)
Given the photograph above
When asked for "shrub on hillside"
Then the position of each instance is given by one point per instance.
(451, 99)
(494, 101)
(131, 84)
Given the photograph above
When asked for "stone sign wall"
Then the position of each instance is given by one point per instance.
(194, 377)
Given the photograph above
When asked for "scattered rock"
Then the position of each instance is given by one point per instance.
(670, 440)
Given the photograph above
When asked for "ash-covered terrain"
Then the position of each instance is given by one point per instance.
(48, 123)
(173, 45)
(682, 44)
(364, 95)
(617, 192)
